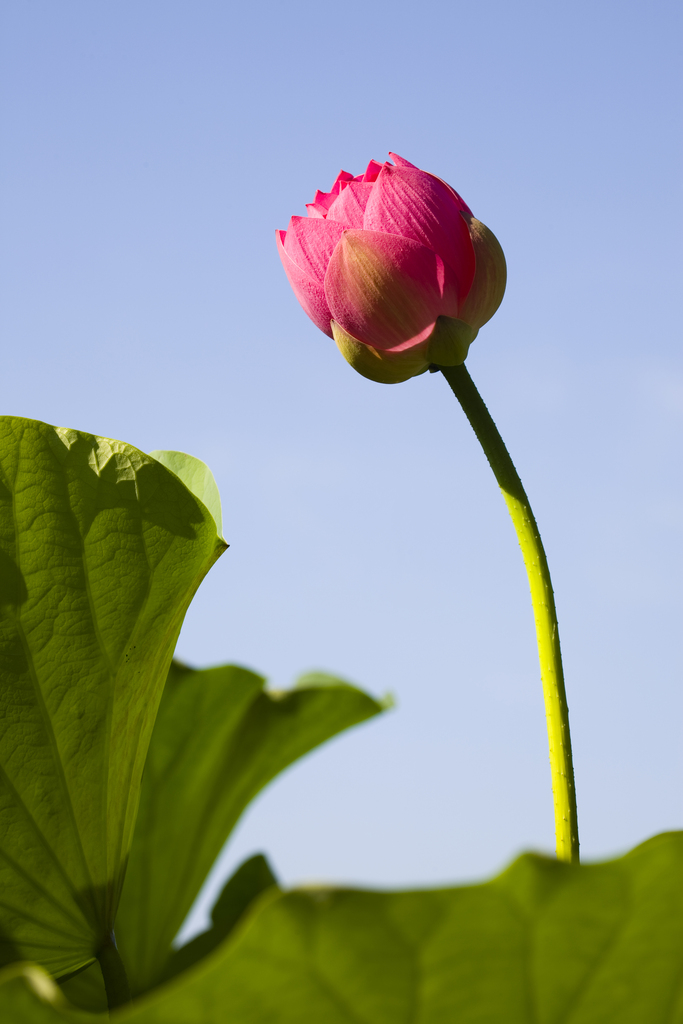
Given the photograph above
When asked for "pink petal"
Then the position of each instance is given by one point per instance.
(372, 171)
(386, 290)
(316, 211)
(417, 205)
(325, 199)
(349, 207)
(310, 243)
(462, 205)
(400, 162)
(310, 293)
(343, 176)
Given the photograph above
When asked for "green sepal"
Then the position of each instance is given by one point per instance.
(490, 278)
(449, 342)
(382, 367)
(447, 345)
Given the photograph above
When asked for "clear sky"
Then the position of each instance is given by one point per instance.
(150, 148)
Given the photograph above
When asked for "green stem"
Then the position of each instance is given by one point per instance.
(114, 974)
(547, 632)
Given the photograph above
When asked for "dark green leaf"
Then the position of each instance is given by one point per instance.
(101, 551)
(218, 740)
(250, 880)
(85, 990)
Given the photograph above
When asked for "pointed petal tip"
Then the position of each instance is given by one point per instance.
(372, 171)
(400, 162)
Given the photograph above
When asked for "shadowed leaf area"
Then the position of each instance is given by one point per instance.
(218, 740)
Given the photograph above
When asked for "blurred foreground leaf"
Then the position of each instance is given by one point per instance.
(101, 551)
(545, 943)
(28, 995)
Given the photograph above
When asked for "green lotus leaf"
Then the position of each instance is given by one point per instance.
(197, 476)
(219, 739)
(251, 879)
(101, 551)
(544, 943)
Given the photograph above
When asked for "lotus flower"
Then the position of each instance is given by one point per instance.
(393, 266)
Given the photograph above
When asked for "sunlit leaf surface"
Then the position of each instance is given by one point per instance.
(219, 738)
(101, 551)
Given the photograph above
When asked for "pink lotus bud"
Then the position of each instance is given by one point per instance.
(394, 267)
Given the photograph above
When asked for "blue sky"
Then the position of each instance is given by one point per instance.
(150, 149)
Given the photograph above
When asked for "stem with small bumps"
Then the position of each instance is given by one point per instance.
(543, 601)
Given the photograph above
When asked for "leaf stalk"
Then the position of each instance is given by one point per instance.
(543, 601)
(114, 974)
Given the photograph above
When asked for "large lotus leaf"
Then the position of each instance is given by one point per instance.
(545, 943)
(101, 551)
(219, 738)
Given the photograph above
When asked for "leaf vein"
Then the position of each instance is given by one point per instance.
(41, 923)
